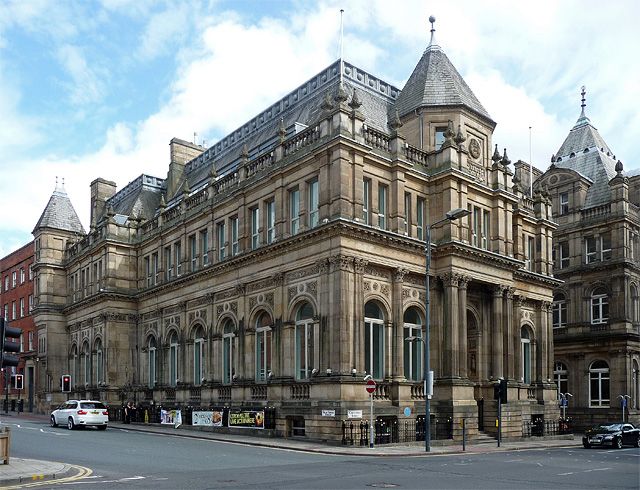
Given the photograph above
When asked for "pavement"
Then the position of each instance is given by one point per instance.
(22, 472)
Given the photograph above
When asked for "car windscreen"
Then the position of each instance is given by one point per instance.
(93, 405)
(610, 427)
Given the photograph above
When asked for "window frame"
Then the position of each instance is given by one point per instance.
(314, 202)
(294, 211)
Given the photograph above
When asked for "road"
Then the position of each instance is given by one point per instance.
(129, 459)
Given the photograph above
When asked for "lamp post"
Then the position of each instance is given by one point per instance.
(452, 215)
(564, 400)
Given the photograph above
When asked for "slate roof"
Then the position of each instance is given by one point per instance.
(140, 198)
(59, 214)
(435, 82)
(584, 151)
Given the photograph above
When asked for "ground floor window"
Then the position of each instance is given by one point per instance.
(599, 384)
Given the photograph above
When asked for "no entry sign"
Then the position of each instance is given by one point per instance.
(371, 386)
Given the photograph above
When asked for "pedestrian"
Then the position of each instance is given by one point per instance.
(134, 413)
(127, 413)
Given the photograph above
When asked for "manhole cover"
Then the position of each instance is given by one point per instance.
(382, 485)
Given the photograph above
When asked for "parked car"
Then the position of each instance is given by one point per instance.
(614, 435)
(81, 413)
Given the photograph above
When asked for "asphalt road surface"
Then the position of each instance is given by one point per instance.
(129, 459)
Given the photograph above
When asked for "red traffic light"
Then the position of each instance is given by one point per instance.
(65, 383)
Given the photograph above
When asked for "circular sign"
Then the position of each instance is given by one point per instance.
(371, 386)
(407, 411)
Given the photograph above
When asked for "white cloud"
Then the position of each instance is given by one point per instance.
(86, 86)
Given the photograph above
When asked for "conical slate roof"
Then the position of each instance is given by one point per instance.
(60, 214)
(435, 82)
(584, 151)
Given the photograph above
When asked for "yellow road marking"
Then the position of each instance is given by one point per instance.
(82, 473)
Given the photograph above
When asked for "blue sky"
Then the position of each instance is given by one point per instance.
(94, 89)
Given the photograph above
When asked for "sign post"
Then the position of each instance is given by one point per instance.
(371, 388)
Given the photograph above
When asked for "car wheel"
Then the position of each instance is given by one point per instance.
(637, 443)
(586, 445)
(53, 422)
(618, 443)
(102, 427)
(70, 424)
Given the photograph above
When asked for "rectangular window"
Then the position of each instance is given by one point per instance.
(233, 224)
(22, 276)
(21, 307)
(605, 245)
(14, 279)
(407, 214)
(271, 221)
(591, 249)
(374, 348)
(152, 367)
(155, 268)
(204, 246)
(475, 228)
(366, 202)
(30, 303)
(263, 353)
(168, 263)
(147, 269)
(6, 312)
(30, 341)
(420, 213)
(227, 358)
(222, 239)
(255, 228)
(6, 283)
(31, 272)
(198, 361)
(486, 220)
(294, 211)
(383, 192)
(439, 140)
(531, 263)
(564, 203)
(314, 213)
(13, 310)
(193, 252)
(177, 247)
(304, 349)
(563, 249)
(599, 309)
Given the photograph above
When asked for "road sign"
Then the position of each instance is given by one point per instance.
(371, 386)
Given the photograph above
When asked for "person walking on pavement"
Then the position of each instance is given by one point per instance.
(127, 413)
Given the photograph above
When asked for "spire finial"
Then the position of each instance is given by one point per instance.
(432, 41)
(583, 104)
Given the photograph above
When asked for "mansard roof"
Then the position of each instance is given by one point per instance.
(586, 152)
(140, 198)
(435, 82)
(59, 213)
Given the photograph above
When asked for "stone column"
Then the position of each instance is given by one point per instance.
(544, 370)
(280, 307)
(324, 313)
(497, 333)
(509, 352)
(517, 364)
(463, 282)
(357, 299)
(344, 317)
(397, 347)
(450, 325)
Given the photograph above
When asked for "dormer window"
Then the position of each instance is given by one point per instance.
(572, 155)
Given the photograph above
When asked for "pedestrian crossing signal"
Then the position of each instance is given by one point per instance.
(65, 383)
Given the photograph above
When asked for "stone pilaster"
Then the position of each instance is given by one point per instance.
(397, 346)
(463, 282)
(509, 348)
(497, 333)
(450, 325)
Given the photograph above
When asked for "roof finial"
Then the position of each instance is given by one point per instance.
(432, 41)
(583, 105)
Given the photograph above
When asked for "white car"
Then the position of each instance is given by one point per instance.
(80, 413)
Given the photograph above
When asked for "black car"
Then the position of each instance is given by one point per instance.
(614, 435)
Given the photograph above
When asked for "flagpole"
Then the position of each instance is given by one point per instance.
(530, 167)
(341, 44)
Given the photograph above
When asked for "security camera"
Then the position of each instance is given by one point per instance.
(368, 377)
(353, 372)
(314, 371)
(270, 374)
(329, 371)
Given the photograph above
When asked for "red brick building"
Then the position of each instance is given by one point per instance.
(16, 302)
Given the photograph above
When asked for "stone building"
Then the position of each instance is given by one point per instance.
(17, 300)
(596, 311)
(282, 264)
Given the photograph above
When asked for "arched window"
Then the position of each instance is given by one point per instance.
(99, 363)
(373, 340)
(198, 356)
(73, 361)
(173, 359)
(413, 345)
(228, 351)
(635, 305)
(559, 311)
(599, 306)
(263, 346)
(525, 352)
(561, 376)
(85, 361)
(151, 362)
(306, 343)
(472, 345)
(599, 384)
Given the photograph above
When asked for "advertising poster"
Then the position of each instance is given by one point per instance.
(207, 418)
(171, 417)
(249, 419)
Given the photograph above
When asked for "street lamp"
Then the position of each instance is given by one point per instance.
(452, 215)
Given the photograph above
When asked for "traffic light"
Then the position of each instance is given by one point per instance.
(65, 383)
(7, 346)
(18, 382)
(500, 391)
